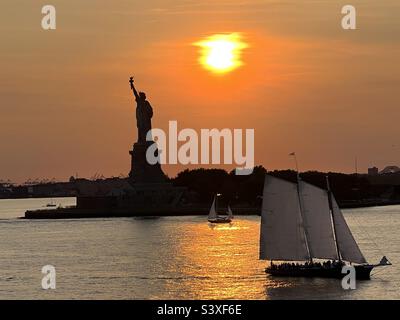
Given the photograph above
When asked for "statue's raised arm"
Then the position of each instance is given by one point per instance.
(133, 88)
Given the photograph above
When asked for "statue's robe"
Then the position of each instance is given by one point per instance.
(144, 113)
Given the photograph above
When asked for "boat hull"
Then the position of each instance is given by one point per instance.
(362, 272)
(220, 220)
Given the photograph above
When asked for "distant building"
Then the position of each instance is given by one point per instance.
(4, 191)
(390, 169)
(373, 171)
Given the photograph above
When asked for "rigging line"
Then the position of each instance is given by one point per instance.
(376, 272)
(368, 235)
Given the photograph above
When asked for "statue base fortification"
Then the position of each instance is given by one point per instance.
(141, 170)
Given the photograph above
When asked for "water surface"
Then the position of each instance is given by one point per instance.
(172, 257)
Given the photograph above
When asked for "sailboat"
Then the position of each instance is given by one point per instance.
(213, 216)
(300, 224)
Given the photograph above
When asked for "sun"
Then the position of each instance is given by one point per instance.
(221, 53)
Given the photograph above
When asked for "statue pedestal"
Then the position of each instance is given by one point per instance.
(150, 190)
(141, 170)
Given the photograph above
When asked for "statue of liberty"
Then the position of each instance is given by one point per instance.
(144, 113)
(141, 170)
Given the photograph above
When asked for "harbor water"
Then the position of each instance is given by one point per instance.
(173, 257)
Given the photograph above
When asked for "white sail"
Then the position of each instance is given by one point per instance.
(282, 235)
(348, 247)
(230, 213)
(213, 213)
(318, 222)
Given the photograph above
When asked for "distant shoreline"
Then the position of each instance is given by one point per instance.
(76, 213)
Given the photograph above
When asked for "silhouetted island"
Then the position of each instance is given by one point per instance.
(100, 198)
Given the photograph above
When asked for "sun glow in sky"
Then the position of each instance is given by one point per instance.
(221, 53)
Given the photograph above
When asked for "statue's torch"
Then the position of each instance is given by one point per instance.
(131, 82)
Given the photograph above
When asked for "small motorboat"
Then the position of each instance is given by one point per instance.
(51, 204)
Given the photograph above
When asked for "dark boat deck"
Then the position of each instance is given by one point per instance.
(362, 272)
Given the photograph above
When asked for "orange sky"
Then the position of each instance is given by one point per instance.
(306, 86)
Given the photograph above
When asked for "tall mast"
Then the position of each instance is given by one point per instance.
(303, 218)
(216, 201)
(333, 216)
(356, 165)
